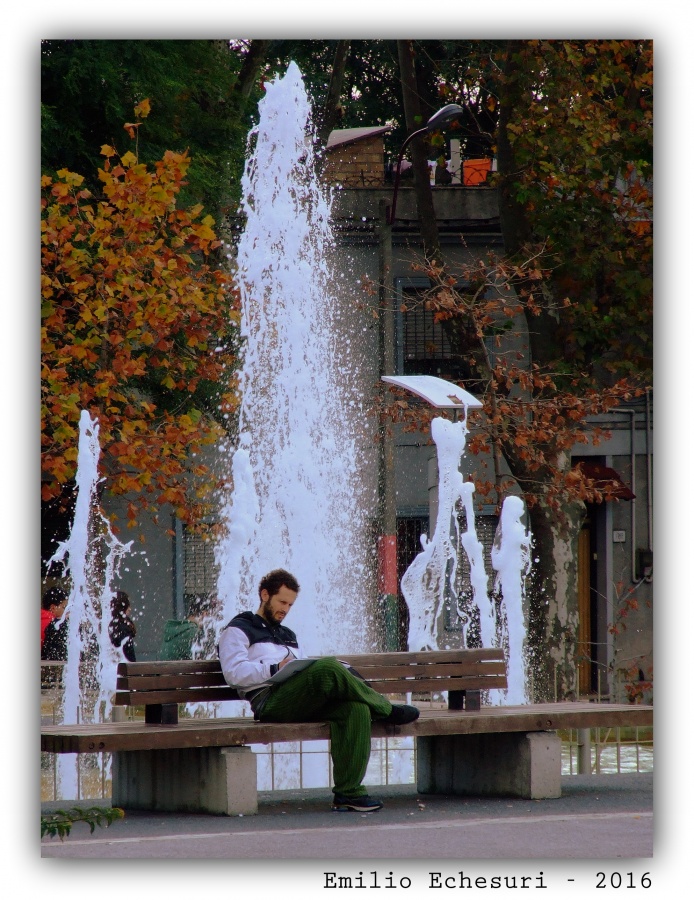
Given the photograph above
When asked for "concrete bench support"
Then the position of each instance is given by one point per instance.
(515, 764)
(219, 780)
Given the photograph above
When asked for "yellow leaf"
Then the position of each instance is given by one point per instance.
(70, 177)
(128, 159)
(107, 150)
(143, 108)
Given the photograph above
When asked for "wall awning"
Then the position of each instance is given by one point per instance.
(606, 479)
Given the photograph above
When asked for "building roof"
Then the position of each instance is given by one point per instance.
(341, 136)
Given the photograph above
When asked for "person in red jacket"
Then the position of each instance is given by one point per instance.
(53, 605)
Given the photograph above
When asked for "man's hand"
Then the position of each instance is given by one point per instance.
(288, 658)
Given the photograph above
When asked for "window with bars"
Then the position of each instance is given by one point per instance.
(425, 346)
(423, 337)
(199, 567)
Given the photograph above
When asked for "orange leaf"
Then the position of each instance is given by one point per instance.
(143, 108)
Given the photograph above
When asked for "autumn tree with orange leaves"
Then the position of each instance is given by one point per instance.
(137, 320)
(570, 124)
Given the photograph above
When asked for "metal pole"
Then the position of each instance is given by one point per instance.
(391, 218)
(584, 761)
(387, 541)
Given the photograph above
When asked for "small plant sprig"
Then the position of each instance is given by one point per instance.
(59, 823)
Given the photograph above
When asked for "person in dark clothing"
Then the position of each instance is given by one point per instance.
(253, 651)
(121, 628)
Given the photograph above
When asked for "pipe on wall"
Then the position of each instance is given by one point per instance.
(637, 578)
(632, 453)
(649, 476)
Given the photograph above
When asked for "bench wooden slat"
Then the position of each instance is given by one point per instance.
(388, 673)
(423, 685)
(180, 695)
(423, 656)
(168, 667)
(169, 682)
(141, 688)
(221, 692)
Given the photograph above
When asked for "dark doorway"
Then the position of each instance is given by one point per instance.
(409, 530)
(587, 644)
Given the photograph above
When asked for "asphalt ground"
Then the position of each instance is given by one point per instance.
(604, 817)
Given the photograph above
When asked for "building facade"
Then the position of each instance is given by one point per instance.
(615, 562)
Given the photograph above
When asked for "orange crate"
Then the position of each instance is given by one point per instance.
(475, 171)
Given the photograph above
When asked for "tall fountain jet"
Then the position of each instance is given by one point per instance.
(296, 496)
(511, 561)
(91, 557)
(431, 585)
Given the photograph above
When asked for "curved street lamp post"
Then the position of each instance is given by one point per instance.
(438, 120)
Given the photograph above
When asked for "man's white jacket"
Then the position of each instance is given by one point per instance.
(251, 649)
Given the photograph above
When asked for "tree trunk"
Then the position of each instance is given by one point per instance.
(553, 593)
(515, 226)
(553, 602)
(514, 223)
(252, 63)
(329, 114)
(414, 120)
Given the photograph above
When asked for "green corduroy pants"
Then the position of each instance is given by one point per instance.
(327, 691)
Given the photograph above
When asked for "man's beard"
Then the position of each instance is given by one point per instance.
(270, 617)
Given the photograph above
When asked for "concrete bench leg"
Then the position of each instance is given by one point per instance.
(509, 764)
(220, 780)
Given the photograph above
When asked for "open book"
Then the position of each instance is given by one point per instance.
(298, 665)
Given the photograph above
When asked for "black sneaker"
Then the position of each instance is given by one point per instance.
(401, 714)
(358, 804)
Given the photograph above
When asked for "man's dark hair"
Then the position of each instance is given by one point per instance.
(276, 579)
(53, 597)
(119, 604)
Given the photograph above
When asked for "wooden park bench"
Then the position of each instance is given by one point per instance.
(207, 764)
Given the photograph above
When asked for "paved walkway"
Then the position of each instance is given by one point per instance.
(604, 817)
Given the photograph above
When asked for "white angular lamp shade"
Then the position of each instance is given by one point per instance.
(440, 393)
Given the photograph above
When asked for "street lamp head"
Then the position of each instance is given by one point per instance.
(438, 120)
(444, 115)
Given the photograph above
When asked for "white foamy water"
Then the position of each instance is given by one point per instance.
(91, 558)
(431, 583)
(296, 492)
(511, 561)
